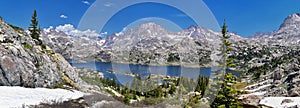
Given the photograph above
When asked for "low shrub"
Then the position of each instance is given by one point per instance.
(28, 46)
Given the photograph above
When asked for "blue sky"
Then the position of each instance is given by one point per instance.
(152, 10)
(243, 16)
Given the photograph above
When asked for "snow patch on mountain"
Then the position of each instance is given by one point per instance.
(262, 34)
(281, 102)
(18, 96)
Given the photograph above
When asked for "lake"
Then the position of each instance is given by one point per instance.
(144, 70)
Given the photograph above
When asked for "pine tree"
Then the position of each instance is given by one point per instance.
(114, 83)
(34, 30)
(202, 84)
(172, 89)
(227, 95)
(226, 62)
(107, 81)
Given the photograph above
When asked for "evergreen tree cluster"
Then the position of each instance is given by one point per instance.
(272, 65)
(35, 30)
(151, 90)
(227, 96)
(201, 84)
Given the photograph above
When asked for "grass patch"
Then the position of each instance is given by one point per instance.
(91, 80)
(59, 104)
(68, 80)
(28, 46)
(151, 101)
(65, 81)
(61, 84)
(240, 86)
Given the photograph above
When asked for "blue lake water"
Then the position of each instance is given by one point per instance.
(145, 70)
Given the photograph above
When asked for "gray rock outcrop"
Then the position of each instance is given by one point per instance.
(23, 63)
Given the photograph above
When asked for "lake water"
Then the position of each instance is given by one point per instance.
(144, 70)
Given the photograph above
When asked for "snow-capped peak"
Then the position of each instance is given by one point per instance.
(292, 21)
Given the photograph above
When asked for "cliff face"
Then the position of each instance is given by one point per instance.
(23, 63)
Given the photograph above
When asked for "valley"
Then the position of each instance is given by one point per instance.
(149, 65)
(272, 57)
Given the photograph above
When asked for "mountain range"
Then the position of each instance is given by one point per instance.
(268, 60)
(150, 43)
(264, 58)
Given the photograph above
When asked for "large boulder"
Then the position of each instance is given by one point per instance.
(250, 100)
(23, 63)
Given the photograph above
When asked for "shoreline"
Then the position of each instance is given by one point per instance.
(131, 63)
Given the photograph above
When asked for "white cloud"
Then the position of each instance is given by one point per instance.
(47, 30)
(70, 30)
(65, 28)
(86, 2)
(63, 16)
(108, 4)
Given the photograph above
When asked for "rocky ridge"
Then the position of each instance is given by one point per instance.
(275, 71)
(147, 44)
(23, 63)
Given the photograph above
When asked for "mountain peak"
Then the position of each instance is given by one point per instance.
(296, 15)
(293, 17)
(150, 25)
(150, 28)
(291, 20)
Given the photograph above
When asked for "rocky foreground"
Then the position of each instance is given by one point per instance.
(23, 63)
(31, 75)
